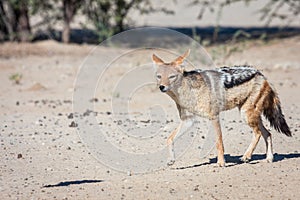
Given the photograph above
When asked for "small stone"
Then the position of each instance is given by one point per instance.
(145, 121)
(172, 191)
(87, 113)
(20, 156)
(73, 124)
(94, 100)
(196, 188)
(71, 116)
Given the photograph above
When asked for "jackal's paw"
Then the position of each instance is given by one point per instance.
(245, 159)
(170, 162)
(269, 159)
(221, 164)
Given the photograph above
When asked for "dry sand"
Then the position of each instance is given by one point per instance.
(42, 156)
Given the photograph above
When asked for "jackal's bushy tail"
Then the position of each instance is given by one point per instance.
(274, 114)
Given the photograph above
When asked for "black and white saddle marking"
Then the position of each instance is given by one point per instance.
(230, 76)
(236, 75)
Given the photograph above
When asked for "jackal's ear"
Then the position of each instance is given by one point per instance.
(157, 60)
(178, 61)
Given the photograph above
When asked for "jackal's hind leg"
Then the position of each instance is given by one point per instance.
(254, 121)
(268, 140)
(184, 125)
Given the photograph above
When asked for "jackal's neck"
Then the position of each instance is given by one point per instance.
(174, 93)
(187, 84)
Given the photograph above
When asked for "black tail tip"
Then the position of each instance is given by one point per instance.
(289, 134)
(284, 128)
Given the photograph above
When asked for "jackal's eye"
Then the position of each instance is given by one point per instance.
(158, 76)
(172, 77)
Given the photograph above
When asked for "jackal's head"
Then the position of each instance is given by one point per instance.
(169, 75)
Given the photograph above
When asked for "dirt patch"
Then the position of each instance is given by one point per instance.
(43, 157)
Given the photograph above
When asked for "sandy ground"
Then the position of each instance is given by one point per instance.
(43, 157)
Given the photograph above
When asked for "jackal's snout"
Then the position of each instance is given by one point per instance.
(163, 88)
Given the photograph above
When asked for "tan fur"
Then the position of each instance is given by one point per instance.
(202, 94)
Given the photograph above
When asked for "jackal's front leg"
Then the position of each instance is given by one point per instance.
(219, 142)
(184, 125)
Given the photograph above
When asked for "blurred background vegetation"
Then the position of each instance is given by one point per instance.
(105, 18)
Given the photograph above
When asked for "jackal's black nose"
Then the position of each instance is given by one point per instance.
(162, 88)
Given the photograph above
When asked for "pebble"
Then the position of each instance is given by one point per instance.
(73, 124)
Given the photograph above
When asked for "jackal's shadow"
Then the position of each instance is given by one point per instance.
(236, 160)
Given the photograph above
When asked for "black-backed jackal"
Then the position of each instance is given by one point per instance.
(208, 92)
